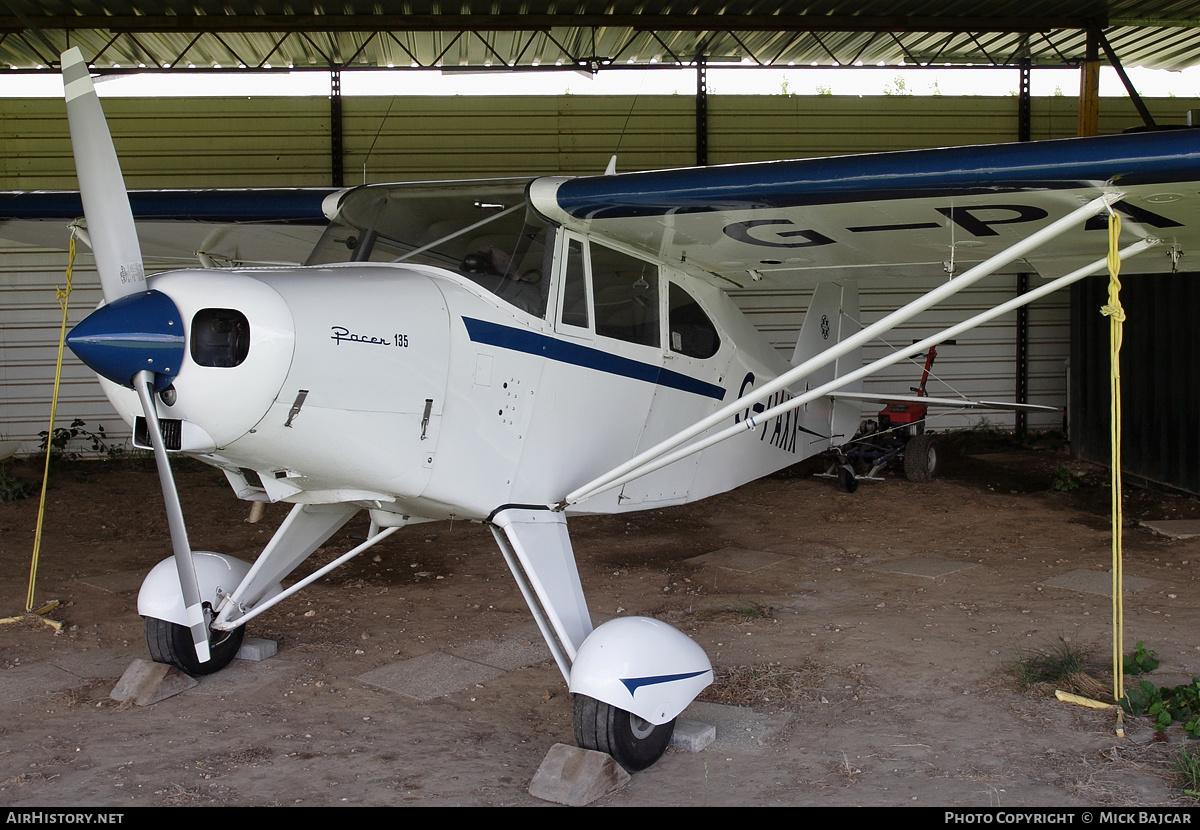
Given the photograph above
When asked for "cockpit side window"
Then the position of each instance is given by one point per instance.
(625, 293)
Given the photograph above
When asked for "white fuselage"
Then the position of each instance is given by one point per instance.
(411, 390)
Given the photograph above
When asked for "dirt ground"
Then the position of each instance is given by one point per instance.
(841, 681)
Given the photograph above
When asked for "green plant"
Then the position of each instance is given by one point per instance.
(1187, 773)
(59, 443)
(1065, 664)
(1147, 700)
(1064, 480)
(13, 488)
(1142, 661)
(1166, 705)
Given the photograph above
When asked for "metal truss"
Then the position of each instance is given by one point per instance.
(480, 43)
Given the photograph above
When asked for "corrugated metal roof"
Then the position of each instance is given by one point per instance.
(133, 35)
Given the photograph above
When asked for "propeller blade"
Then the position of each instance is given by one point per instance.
(134, 341)
(102, 188)
(198, 622)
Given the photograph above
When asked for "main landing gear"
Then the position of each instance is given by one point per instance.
(633, 743)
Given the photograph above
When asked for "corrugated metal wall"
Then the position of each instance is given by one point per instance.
(29, 330)
(174, 142)
(1160, 377)
(244, 142)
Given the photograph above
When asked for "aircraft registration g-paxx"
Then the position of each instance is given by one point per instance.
(517, 351)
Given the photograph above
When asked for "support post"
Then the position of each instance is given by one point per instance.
(1025, 103)
(1024, 133)
(701, 111)
(1022, 391)
(1089, 88)
(337, 173)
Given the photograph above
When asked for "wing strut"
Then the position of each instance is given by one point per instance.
(658, 457)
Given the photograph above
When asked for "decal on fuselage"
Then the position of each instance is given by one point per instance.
(341, 334)
(977, 220)
(780, 431)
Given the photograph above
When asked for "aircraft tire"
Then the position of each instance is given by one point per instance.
(922, 461)
(847, 481)
(171, 643)
(633, 743)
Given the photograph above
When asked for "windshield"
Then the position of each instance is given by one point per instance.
(481, 230)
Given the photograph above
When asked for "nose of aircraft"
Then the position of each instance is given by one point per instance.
(138, 332)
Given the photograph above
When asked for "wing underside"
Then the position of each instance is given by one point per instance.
(891, 215)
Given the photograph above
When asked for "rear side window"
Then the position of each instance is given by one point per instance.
(692, 333)
(220, 337)
(575, 307)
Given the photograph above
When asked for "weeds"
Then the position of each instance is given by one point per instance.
(1187, 773)
(1142, 661)
(743, 611)
(985, 436)
(1064, 480)
(1166, 705)
(13, 488)
(58, 445)
(1066, 665)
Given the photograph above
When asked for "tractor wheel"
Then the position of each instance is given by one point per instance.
(921, 459)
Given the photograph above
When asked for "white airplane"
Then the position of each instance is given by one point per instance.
(515, 352)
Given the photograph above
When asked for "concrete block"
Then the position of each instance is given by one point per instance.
(576, 777)
(257, 649)
(145, 683)
(693, 735)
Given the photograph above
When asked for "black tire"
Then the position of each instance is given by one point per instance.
(847, 480)
(922, 461)
(633, 743)
(171, 643)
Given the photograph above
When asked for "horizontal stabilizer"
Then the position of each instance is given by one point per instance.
(954, 403)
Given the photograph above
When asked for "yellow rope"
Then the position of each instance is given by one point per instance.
(1116, 320)
(64, 296)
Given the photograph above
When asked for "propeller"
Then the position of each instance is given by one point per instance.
(137, 338)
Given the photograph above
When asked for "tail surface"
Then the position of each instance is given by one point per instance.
(832, 316)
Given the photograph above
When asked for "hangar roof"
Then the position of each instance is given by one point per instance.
(136, 35)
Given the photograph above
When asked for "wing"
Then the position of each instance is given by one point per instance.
(892, 214)
(254, 226)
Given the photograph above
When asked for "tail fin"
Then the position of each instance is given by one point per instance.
(832, 316)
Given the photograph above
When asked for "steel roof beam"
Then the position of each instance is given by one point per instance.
(230, 23)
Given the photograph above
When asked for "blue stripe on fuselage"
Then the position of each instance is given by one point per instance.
(529, 342)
